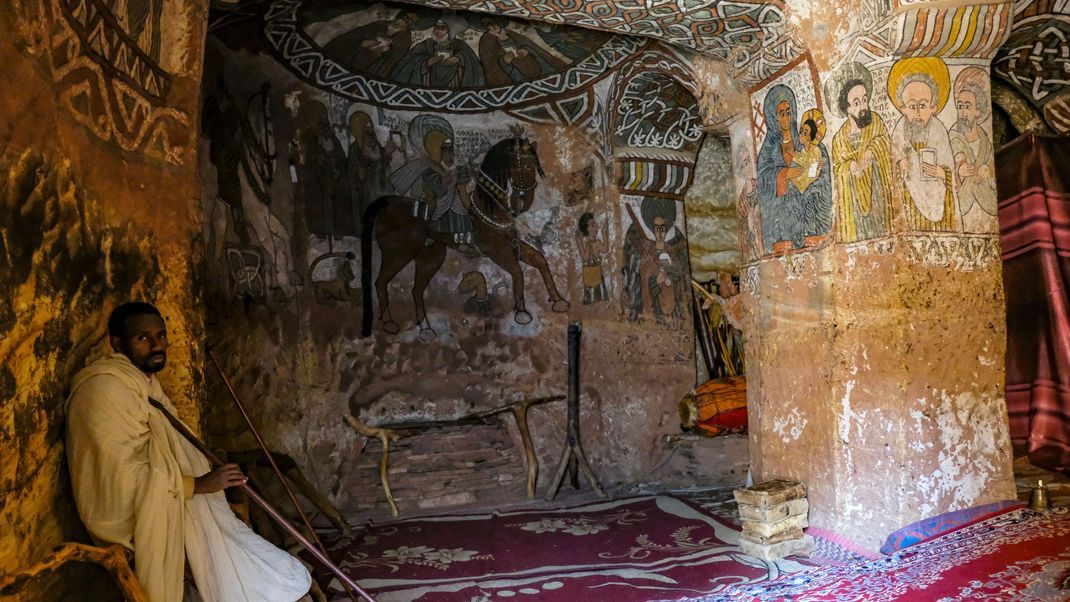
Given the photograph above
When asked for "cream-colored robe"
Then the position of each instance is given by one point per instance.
(128, 466)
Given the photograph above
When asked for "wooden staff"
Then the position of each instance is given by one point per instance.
(271, 511)
(270, 457)
(267, 452)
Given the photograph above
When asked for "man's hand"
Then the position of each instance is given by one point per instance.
(933, 171)
(228, 475)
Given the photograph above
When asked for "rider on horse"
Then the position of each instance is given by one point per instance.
(439, 187)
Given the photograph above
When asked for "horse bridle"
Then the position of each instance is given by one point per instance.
(495, 192)
(501, 196)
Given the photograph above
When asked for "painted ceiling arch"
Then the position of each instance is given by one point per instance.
(714, 28)
(374, 53)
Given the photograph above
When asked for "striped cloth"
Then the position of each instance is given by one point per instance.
(1034, 217)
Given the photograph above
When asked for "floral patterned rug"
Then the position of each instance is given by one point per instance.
(640, 549)
(1019, 555)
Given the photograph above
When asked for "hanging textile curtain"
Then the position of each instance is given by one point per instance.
(1033, 180)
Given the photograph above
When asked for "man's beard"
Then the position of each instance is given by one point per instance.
(917, 130)
(864, 118)
(965, 125)
(148, 367)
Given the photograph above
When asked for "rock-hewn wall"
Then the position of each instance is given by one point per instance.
(97, 206)
(581, 172)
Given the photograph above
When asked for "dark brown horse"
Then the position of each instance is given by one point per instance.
(505, 189)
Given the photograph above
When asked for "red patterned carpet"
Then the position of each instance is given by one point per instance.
(652, 548)
(1019, 555)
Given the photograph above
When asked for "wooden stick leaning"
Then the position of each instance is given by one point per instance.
(267, 452)
(270, 457)
(271, 511)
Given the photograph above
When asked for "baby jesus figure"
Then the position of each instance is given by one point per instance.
(808, 157)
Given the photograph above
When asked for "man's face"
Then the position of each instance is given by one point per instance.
(145, 342)
(441, 32)
(447, 154)
(783, 115)
(397, 25)
(967, 108)
(805, 135)
(858, 106)
(661, 228)
(918, 105)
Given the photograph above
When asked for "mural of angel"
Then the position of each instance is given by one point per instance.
(655, 263)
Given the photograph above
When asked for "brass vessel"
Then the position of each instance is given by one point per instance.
(1039, 500)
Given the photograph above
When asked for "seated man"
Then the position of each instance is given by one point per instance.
(139, 483)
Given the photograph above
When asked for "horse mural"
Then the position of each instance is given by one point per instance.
(506, 182)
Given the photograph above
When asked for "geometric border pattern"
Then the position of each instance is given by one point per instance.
(1036, 59)
(107, 85)
(975, 31)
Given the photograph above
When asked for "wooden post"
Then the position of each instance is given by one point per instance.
(573, 451)
(385, 436)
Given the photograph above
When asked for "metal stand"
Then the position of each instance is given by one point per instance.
(572, 455)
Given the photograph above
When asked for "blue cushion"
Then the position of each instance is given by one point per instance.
(935, 526)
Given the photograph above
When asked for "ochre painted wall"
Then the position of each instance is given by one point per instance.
(98, 202)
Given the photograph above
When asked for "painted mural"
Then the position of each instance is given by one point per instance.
(921, 149)
(246, 239)
(419, 59)
(419, 47)
(748, 208)
(944, 175)
(794, 179)
(591, 242)
(114, 66)
(973, 152)
(861, 158)
(424, 251)
(440, 206)
(656, 276)
(911, 151)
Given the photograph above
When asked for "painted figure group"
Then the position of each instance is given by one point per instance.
(938, 179)
(502, 56)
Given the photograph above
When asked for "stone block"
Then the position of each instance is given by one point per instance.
(795, 533)
(770, 493)
(757, 527)
(775, 551)
(776, 513)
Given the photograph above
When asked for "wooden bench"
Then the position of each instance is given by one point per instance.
(393, 432)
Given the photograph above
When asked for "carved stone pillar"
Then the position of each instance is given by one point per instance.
(876, 329)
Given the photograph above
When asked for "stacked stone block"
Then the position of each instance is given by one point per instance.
(774, 516)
